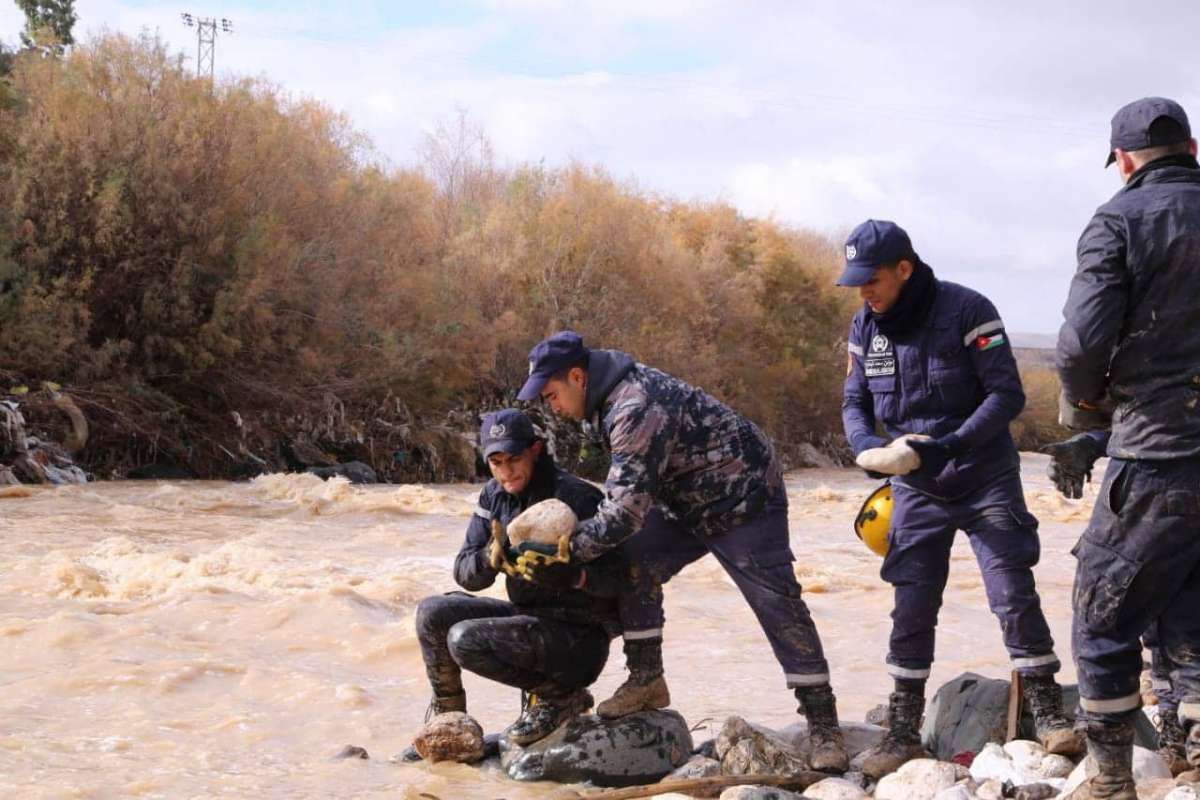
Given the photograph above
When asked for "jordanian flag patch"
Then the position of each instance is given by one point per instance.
(988, 342)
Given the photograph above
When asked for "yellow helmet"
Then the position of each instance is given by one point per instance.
(874, 519)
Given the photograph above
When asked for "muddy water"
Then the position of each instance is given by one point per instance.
(226, 640)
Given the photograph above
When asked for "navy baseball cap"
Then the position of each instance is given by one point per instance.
(548, 357)
(508, 431)
(1133, 126)
(872, 244)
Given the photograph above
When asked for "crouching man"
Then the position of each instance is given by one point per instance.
(550, 638)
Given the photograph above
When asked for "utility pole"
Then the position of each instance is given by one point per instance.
(206, 40)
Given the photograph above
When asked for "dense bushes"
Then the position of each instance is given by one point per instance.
(216, 270)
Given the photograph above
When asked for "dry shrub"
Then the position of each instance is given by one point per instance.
(213, 268)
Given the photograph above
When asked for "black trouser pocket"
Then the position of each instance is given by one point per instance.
(1102, 582)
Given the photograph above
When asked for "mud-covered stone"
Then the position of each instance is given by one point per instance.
(453, 736)
(352, 751)
(545, 522)
(640, 748)
(353, 471)
(698, 767)
(748, 749)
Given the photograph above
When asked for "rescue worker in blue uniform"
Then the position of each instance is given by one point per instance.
(689, 477)
(1070, 467)
(929, 360)
(1130, 342)
(550, 638)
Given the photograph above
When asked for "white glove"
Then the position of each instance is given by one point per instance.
(895, 459)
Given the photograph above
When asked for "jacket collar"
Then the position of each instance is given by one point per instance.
(606, 368)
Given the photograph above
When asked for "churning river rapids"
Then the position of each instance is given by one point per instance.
(205, 639)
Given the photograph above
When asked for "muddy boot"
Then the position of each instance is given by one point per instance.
(1191, 744)
(1110, 744)
(902, 742)
(1171, 738)
(438, 705)
(827, 746)
(646, 688)
(545, 711)
(1043, 697)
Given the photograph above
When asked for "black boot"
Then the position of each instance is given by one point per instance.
(1043, 696)
(1110, 744)
(827, 746)
(1191, 745)
(1171, 742)
(902, 742)
(646, 688)
(437, 705)
(545, 710)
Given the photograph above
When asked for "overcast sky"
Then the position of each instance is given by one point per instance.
(981, 127)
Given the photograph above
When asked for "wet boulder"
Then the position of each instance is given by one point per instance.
(640, 748)
(353, 471)
(453, 736)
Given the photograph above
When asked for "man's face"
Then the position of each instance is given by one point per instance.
(567, 397)
(513, 472)
(882, 291)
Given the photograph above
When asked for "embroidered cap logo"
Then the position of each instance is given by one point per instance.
(497, 431)
(851, 252)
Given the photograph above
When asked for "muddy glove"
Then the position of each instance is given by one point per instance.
(555, 574)
(1071, 463)
(935, 454)
(897, 458)
(499, 556)
(1084, 416)
(538, 553)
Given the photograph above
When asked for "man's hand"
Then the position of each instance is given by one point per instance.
(935, 454)
(1071, 463)
(555, 574)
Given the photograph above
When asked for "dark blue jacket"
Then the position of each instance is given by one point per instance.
(1132, 327)
(956, 374)
(606, 578)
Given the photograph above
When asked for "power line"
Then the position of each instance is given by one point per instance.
(206, 40)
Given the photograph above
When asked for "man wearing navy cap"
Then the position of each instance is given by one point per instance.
(549, 639)
(1130, 343)
(689, 477)
(930, 360)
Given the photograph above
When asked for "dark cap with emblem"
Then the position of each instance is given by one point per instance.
(871, 245)
(549, 357)
(1149, 122)
(508, 431)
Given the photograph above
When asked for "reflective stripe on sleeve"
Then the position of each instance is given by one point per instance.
(854, 348)
(1160, 684)
(983, 330)
(480, 511)
(1189, 712)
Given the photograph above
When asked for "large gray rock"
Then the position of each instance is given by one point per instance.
(744, 748)
(452, 736)
(971, 710)
(639, 748)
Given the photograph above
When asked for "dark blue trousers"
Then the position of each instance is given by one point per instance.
(1003, 535)
(1138, 568)
(757, 556)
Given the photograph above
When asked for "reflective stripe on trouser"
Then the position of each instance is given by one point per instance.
(648, 633)
(1003, 535)
(907, 674)
(1138, 567)
(757, 556)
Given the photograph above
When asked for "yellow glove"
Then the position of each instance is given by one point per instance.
(537, 554)
(498, 552)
